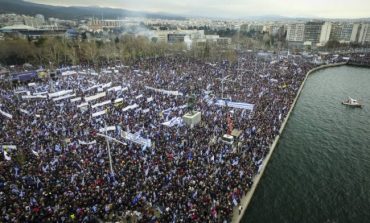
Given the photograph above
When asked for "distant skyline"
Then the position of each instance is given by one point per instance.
(234, 8)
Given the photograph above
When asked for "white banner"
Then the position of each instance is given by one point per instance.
(82, 105)
(34, 97)
(21, 92)
(109, 128)
(101, 104)
(69, 72)
(60, 93)
(8, 146)
(149, 99)
(117, 88)
(86, 143)
(25, 111)
(40, 93)
(6, 114)
(76, 99)
(107, 85)
(174, 121)
(118, 100)
(176, 93)
(92, 87)
(96, 114)
(232, 104)
(130, 107)
(94, 97)
(136, 139)
(64, 97)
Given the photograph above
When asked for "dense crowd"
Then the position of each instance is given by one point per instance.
(56, 168)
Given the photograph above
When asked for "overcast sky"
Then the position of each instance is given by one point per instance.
(235, 8)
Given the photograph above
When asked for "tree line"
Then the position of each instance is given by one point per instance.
(58, 51)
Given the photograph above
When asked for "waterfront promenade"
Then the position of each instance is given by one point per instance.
(248, 197)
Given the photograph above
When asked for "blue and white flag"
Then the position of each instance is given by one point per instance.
(6, 155)
(240, 105)
(136, 199)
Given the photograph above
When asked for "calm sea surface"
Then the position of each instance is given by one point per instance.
(320, 171)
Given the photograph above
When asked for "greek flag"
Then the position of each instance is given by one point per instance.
(136, 199)
(240, 105)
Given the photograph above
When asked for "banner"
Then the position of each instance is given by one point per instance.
(60, 93)
(82, 105)
(6, 114)
(109, 128)
(130, 107)
(86, 143)
(240, 105)
(94, 97)
(64, 97)
(107, 85)
(92, 87)
(174, 121)
(76, 99)
(25, 111)
(69, 72)
(101, 104)
(136, 139)
(41, 93)
(9, 147)
(118, 100)
(149, 99)
(139, 96)
(96, 114)
(34, 97)
(175, 93)
(117, 88)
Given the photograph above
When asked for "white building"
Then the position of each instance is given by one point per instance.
(364, 36)
(325, 33)
(355, 32)
(295, 32)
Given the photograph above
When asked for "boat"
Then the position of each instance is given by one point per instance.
(352, 103)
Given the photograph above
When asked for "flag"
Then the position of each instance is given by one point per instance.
(195, 194)
(190, 156)
(35, 153)
(214, 212)
(6, 156)
(136, 199)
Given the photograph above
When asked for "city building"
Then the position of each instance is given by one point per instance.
(295, 32)
(312, 32)
(364, 36)
(176, 37)
(325, 33)
(24, 31)
(355, 33)
(224, 41)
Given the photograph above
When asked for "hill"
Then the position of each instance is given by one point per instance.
(28, 8)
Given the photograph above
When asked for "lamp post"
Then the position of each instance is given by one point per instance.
(109, 154)
(223, 79)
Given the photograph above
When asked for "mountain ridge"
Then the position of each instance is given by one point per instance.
(75, 12)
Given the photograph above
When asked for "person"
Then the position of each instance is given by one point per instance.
(60, 168)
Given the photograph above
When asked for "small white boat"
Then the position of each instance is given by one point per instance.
(352, 103)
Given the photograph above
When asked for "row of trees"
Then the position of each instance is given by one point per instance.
(58, 51)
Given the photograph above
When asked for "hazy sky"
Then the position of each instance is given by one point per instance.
(235, 8)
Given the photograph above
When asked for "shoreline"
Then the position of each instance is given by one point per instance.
(248, 197)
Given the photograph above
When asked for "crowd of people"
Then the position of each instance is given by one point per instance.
(55, 161)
